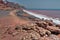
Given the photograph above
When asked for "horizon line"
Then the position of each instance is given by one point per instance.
(40, 9)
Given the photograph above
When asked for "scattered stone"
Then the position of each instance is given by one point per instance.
(54, 37)
(35, 29)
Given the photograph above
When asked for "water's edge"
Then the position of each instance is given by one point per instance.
(56, 21)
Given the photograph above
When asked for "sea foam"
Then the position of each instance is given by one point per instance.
(56, 21)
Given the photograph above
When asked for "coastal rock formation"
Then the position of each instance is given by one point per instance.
(15, 24)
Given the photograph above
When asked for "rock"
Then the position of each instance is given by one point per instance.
(34, 35)
(53, 29)
(42, 24)
(54, 37)
(49, 22)
(43, 32)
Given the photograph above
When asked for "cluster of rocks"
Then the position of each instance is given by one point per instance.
(6, 5)
(35, 30)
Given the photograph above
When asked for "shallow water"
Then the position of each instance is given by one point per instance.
(56, 21)
(51, 13)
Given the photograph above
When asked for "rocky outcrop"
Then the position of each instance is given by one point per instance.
(18, 25)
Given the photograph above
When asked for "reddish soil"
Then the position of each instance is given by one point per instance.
(18, 25)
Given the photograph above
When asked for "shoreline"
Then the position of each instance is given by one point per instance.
(56, 21)
(50, 13)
